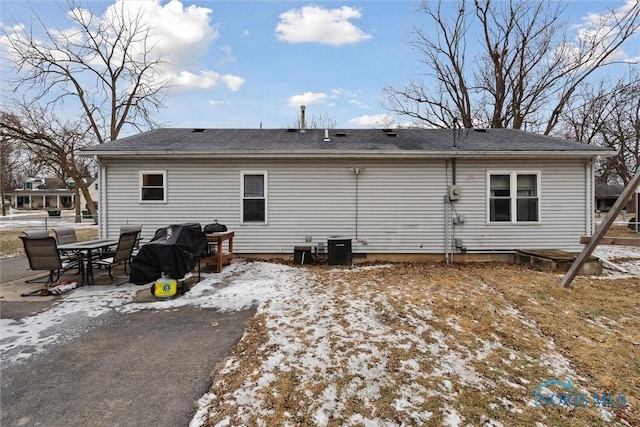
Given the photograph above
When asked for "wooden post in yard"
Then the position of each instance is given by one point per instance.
(636, 226)
(600, 232)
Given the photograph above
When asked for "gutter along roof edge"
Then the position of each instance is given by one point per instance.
(360, 154)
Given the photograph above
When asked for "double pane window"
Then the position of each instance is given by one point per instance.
(514, 196)
(153, 186)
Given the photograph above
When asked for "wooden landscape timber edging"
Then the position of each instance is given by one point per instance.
(622, 241)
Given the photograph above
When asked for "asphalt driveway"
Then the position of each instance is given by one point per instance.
(140, 368)
(146, 368)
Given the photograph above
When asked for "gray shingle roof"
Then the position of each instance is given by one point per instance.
(282, 141)
(609, 190)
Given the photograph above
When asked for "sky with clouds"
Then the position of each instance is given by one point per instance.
(245, 64)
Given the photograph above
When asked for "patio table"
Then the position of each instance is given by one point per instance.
(87, 247)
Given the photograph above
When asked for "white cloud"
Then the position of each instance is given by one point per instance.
(228, 55)
(377, 120)
(596, 31)
(233, 82)
(182, 36)
(214, 102)
(358, 103)
(307, 98)
(593, 18)
(206, 80)
(314, 24)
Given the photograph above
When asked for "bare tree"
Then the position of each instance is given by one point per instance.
(6, 155)
(525, 71)
(103, 71)
(17, 163)
(610, 118)
(317, 121)
(104, 66)
(53, 144)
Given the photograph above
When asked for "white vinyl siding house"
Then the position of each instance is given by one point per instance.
(396, 204)
(400, 208)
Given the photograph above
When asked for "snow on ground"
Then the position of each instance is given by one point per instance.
(29, 219)
(323, 335)
(358, 347)
(629, 256)
(238, 287)
(68, 319)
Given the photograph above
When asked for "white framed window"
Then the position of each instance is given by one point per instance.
(153, 186)
(253, 197)
(513, 197)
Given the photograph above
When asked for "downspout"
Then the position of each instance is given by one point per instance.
(590, 197)
(446, 214)
(357, 170)
(102, 189)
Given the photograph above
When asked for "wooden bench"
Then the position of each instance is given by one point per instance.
(218, 257)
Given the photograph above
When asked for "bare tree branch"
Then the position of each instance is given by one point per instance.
(104, 65)
(54, 143)
(526, 71)
(609, 118)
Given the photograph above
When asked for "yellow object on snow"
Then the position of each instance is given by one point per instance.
(165, 288)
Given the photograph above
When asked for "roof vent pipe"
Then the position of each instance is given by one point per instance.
(326, 135)
(302, 123)
(455, 125)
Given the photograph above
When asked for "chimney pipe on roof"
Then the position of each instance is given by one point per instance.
(302, 123)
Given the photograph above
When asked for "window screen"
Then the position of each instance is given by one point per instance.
(253, 198)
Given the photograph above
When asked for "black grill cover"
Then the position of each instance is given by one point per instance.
(174, 250)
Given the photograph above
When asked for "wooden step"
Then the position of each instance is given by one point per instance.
(554, 260)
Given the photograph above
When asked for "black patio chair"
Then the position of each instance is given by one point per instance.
(126, 228)
(36, 233)
(43, 254)
(122, 254)
(65, 235)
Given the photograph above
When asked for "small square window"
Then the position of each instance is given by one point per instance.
(153, 186)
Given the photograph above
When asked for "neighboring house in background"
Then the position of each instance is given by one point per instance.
(405, 191)
(606, 196)
(43, 193)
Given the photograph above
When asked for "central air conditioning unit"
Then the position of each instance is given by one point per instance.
(339, 250)
(454, 192)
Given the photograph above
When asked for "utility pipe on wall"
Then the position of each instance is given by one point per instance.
(357, 170)
(446, 213)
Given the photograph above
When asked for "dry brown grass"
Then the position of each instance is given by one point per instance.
(595, 323)
(11, 245)
(474, 340)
